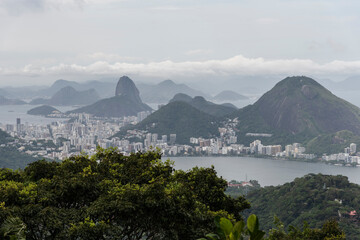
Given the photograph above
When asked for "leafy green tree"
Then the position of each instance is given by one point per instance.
(314, 198)
(112, 196)
(329, 231)
(226, 230)
(13, 228)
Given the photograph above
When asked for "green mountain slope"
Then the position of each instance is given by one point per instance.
(43, 110)
(164, 91)
(205, 106)
(10, 157)
(332, 142)
(312, 198)
(298, 109)
(179, 118)
(118, 106)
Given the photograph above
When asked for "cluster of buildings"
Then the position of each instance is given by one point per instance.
(225, 144)
(62, 139)
(227, 147)
(83, 133)
(137, 140)
(295, 150)
(349, 156)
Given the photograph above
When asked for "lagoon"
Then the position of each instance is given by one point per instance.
(266, 171)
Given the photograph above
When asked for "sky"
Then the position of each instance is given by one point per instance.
(187, 41)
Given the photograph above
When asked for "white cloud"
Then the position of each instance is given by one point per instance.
(198, 52)
(237, 65)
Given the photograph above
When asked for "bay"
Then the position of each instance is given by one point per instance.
(9, 113)
(266, 171)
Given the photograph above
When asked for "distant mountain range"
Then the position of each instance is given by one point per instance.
(6, 101)
(104, 89)
(164, 91)
(68, 96)
(4, 93)
(349, 84)
(296, 109)
(229, 96)
(198, 102)
(126, 102)
(149, 93)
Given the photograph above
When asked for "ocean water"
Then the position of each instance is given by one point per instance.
(9, 113)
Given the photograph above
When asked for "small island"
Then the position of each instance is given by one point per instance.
(44, 110)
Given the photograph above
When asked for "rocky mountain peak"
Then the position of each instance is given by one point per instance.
(126, 87)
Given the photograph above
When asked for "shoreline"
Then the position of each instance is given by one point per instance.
(338, 164)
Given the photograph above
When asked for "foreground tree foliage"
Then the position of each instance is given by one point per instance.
(111, 196)
(313, 198)
(238, 231)
(329, 231)
(226, 230)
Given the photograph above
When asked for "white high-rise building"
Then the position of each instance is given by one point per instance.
(352, 148)
(172, 138)
(154, 138)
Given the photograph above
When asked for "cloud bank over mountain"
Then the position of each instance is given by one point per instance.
(44, 40)
(237, 65)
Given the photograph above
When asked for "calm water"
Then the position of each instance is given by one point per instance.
(9, 113)
(266, 171)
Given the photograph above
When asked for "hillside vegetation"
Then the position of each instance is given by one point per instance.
(10, 157)
(111, 196)
(201, 104)
(297, 109)
(312, 198)
(179, 118)
(43, 110)
(332, 143)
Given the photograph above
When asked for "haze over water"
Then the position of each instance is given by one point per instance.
(9, 113)
(266, 171)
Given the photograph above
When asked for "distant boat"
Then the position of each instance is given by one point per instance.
(11, 111)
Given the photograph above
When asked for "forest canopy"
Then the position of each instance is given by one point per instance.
(112, 196)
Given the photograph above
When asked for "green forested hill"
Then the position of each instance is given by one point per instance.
(312, 198)
(117, 106)
(10, 157)
(201, 104)
(43, 110)
(298, 109)
(332, 142)
(179, 118)
(4, 137)
(112, 196)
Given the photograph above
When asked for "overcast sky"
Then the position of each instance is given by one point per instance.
(43, 40)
